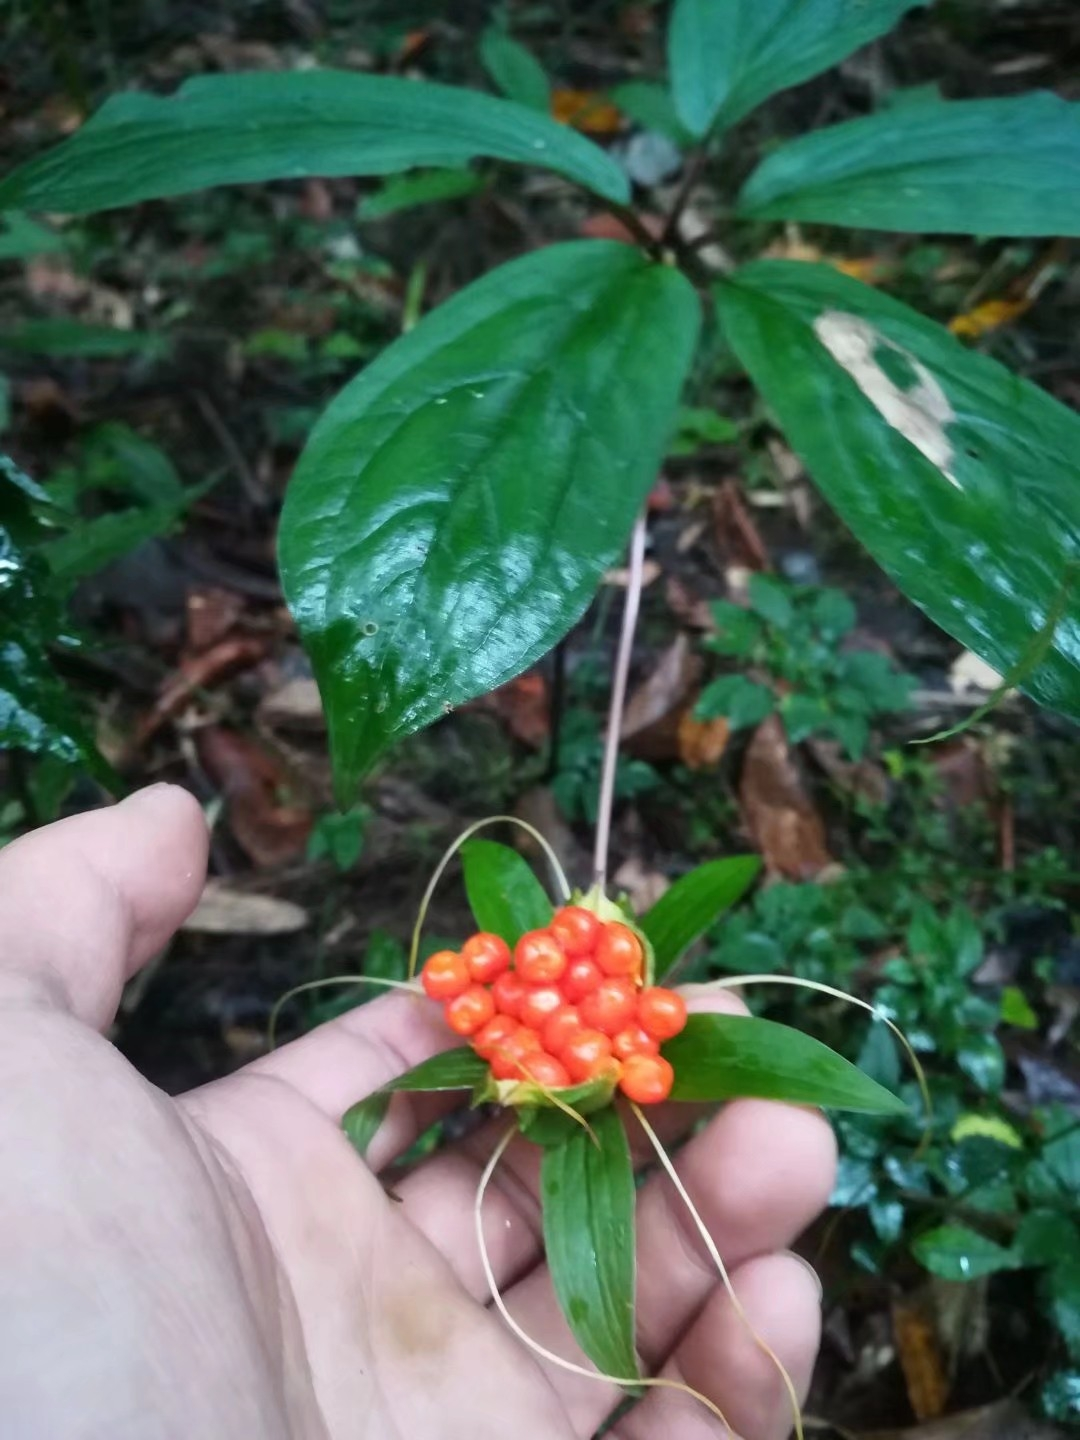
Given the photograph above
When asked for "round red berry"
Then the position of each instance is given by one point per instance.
(539, 958)
(508, 992)
(445, 974)
(560, 1028)
(611, 1006)
(618, 950)
(661, 1012)
(581, 977)
(546, 1071)
(646, 1079)
(495, 1033)
(508, 1058)
(470, 1011)
(584, 1053)
(576, 930)
(539, 1004)
(633, 1041)
(487, 957)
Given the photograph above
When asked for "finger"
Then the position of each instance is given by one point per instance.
(719, 1357)
(346, 1060)
(757, 1176)
(439, 1196)
(85, 902)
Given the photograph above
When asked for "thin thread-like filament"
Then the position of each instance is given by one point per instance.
(630, 1383)
(467, 834)
(271, 1029)
(717, 1259)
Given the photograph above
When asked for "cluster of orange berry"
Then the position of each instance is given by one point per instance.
(566, 1007)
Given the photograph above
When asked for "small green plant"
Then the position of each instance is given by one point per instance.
(789, 643)
(576, 783)
(339, 836)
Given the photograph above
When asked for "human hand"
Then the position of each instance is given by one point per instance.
(223, 1264)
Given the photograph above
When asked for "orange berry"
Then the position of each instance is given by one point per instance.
(508, 992)
(445, 974)
(539, 958)
(546, 1071)
(618, 950)
(576, 930)
(538, 1006)
(661, 1012)
(561, 1027)
(487, 956)
(581, 977)
(494, 1034)
(470, 1011)
(508, 1059)
(584, 1053)
(646, 1079)
(608, 1069)
(611, 1006)
(633, 1041)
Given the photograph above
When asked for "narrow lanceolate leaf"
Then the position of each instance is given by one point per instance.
(505, 896)
(961, 479)
(587, 1190)
(694, 902)
(722, 1057)
(460, 1069)
(458, 503)
(515, 70)
(726, 56)
(285, 125)
(962, 167)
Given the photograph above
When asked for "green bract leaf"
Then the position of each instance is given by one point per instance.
(515, 70)
(505, 896)
(405, 192)
(460, 1069)
(695, 901)
(587, 1190)
(458, 502)
(285, 125)
(721, 1057)
(936, 457)
(726, 56)
(956, 1252)
(960, 167)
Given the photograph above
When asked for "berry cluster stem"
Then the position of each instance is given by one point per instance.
(618, 701)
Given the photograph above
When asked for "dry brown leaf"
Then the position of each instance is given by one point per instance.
(198, 672)
(919, 1352)
(620, 576)
(224, 911)
(702, 742)
(736, 533)
(777, 811)
(961, 767)
(688, 608)
(295, 706)
(524, 706)
(606, 226)
(643, 885)
(1005, 1420)
(251, 780)
(864, 778)
(991, 315)
(664, 691)
(587, 110)
(212, 611)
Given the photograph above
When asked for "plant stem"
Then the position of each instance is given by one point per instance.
(686, 189)
(618, 701)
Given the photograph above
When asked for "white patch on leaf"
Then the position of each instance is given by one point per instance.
(919, 414)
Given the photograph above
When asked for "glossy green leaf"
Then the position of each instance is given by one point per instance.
(286, 125)
(726, 56)
(956, 1252)
(460, 1069)
(504, 894)
(721, 1057)
(426, 187)
(958, 167)
(693, 903)
(458, 503)
(962, 480)
(73, 339)
(587, 1192)
(515, 70)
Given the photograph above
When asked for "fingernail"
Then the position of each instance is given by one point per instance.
(810, 1271)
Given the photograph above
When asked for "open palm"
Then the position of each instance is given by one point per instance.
(225, 1265)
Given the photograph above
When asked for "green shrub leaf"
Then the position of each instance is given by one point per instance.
(722, 1057)
(460, 1069)
(587, 1189)
(726, 56)
(960, 167)
(515, 70)
(505, 896)
(743, 702)
(458, 502)
(936, 457)
(286, 125)
(956, 1252)
(695, 901)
